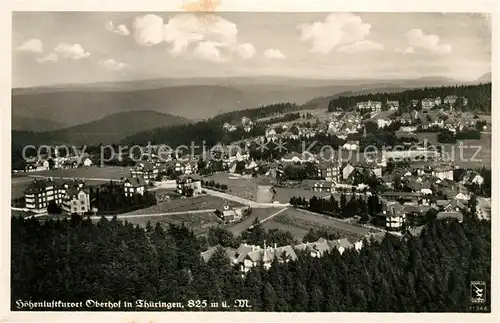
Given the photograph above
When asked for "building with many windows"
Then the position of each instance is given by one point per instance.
(134, 185)
(41, 192)
(374, 106)
(76, 198)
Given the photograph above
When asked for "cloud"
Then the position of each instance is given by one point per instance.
(361, 46)
(33, 45)
(120, 29)
(112, 65)
(273, 54)
(74, 52)
(409, 50)
(419, 41)
(337, 29)
(201, 36)
(246, 51)
(50, 57)
(209, 50)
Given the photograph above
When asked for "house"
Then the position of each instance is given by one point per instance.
(229, 214)
(76, 199)
(410, 155)
(188, 185)
(428, 104)
(40, 165)
(229, 127)
(251, 166)
(443, 172)
(374, 106)
(395, 216)
(450, 99)
(437, 100)
(341, 245)
(450, 215)
(134, 186)
(351, 145)
(393, 105)
(40, 193)
(382, 123)
(315, 249)
(413, 103)
(408, 129)
(324, 186)
(483, 208)
(87, 162)
(328, 171)
(186, 167)
(252, 256)
(271, 134)
(146, 170)
(347, 171)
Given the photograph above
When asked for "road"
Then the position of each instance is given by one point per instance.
(82, 178)
(244, 201)
(124, 216)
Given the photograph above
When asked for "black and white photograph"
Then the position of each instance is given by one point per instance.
(204, 160)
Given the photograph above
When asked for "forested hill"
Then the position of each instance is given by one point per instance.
(479, 96)
(210, 131)
(78, 260)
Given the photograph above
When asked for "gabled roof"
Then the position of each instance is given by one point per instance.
(136, 181)
(345, 243)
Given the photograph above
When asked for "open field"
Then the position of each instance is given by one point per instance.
(238, 186)
(199, 222)
(261, 214)
(299, 222)
(482, 146)
(87, 172)
(284, 194)
(202, 202)
(19, 181)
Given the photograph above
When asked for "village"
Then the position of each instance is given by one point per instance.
(400, 190)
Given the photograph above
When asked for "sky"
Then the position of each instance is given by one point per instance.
(86, 47)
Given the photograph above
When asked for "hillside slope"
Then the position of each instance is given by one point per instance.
(110, 129)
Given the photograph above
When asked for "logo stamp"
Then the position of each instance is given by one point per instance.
(478, 292)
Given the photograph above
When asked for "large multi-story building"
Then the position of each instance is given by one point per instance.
(329, 171)
(428, 104)
(146, 170)
(41, 192)
(72, 196)
(76, 199)
(188, 185)
(374, 106)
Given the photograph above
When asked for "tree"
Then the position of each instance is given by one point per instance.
(53, 208)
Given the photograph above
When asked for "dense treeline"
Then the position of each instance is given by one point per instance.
(341, 208)
(76, 260)
(110, 199)
(479, 96)
(485, 188)
(259, 113)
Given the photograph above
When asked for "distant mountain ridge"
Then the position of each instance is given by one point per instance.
(485, 78)
(189, 98)
(109, 129)
(35, 124)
